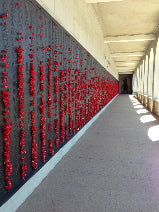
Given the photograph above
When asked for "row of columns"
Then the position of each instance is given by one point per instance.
(146, 77)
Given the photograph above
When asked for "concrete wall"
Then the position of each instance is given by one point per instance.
(79, 19)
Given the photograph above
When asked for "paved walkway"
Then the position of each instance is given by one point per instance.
(114, 167)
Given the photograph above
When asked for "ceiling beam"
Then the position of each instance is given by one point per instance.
(125, 63)
(127, 54)
(125, 72)
(129, 38)
(98, 1)
(125, 68)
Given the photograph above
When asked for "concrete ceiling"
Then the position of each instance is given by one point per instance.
(129, 27)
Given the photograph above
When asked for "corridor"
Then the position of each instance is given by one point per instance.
(114, 167)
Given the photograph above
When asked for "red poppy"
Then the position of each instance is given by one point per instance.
(19, 3)
(5, 16)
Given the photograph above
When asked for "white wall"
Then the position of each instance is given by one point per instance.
(79, 19)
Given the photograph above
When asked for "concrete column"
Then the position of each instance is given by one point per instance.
(156, 74)
(138, 82)
(150, 73)
(135, 82)
(146, 76)
(138, 79)
(143, 76)
(142, 80)
(153, 72)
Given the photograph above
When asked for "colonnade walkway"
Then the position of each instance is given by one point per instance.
(114, 167)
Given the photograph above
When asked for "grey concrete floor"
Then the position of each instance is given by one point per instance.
(114, 167)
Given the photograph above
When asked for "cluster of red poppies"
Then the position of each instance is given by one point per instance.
(4, 17)
(42, 112)
(56, 87)
(42, 76)
(50, 102)
(43, 128)
(32, 78)
(56, 98)
(51, 147)
(34, 148)
(7, 128)
(32, 81)
(21, 106)
(62, 114)
(72, 91)
(50, 141)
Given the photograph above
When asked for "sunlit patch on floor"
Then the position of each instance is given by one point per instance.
(136, 103)
(138, 106)
(141, 111)
(153, 133)
(147, 118)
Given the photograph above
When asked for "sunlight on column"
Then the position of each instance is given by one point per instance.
(153, 133)
(147, 118)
